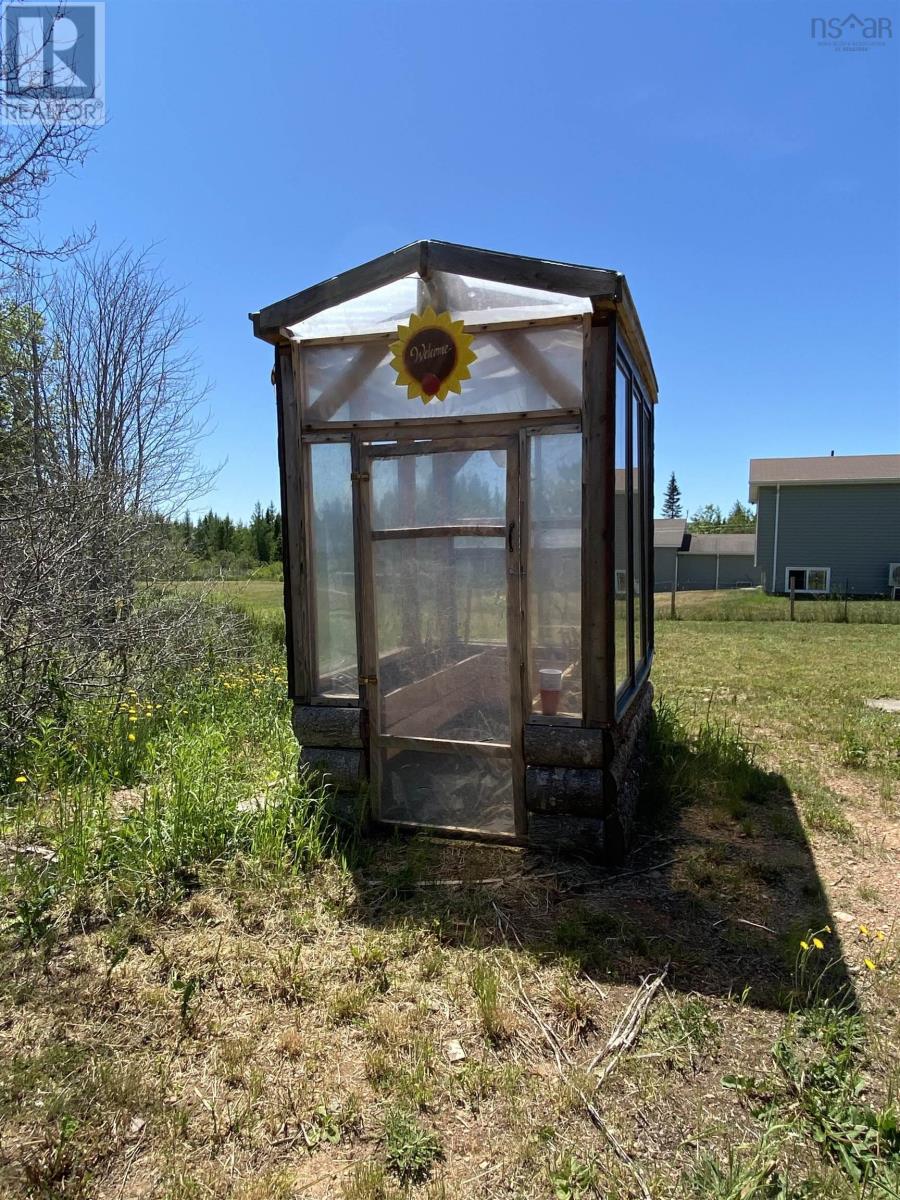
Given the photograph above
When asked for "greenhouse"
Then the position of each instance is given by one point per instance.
(466, 453)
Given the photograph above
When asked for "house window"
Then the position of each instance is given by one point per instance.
(816, 580)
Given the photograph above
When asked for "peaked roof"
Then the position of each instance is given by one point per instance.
(606, 289)
(842, 468)
(722, 543)
(669, 532)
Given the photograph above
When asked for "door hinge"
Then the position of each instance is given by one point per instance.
(368, 679)
(359, 476)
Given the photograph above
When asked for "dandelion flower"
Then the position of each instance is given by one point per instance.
(864, 930)
(828, 929)
(869, 964)
(21, 779)
(804, 945)
(879, 934)
(818, 943)
(131, 737)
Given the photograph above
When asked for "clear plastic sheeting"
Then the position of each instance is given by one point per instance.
(443, 669)
(374, 312)
(465, 488)
(450, 791)
(483, 299)
(474, 300)
(555, 566)
(516, 370)
(334, 588)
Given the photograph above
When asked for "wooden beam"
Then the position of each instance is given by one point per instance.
(563, 746)
(435, 531)
(570, 791)
(629, 328)
(434, 745)
(323, 725)
(419, 429)
(343, 769)
(597, 651)
(521, 271)
(340, 288)
(495, 321)
(294, 531)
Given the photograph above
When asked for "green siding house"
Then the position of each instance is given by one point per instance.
(828, 525)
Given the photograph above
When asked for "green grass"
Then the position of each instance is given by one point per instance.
(201, 999)
(797, 691)
(129, 802)
(252, 595)
(752, 604)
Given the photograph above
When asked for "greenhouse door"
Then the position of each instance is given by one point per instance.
(440, 531)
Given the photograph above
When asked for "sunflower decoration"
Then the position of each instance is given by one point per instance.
(432, 355)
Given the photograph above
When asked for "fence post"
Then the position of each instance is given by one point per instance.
(674, 590)
(792, 599)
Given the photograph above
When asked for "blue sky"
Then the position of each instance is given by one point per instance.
(743, 177)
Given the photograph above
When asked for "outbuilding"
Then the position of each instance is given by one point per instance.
(670, 536)
(452, 423)
(714, 561)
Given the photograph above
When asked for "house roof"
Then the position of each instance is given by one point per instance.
(605, 289)
(842, 468)
(669, 533)
(722, 543)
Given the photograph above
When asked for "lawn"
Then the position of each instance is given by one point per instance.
(205, 994)
(752, 604)
(255, 595)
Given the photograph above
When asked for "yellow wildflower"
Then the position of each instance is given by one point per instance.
(869, 964)
(131, 737)
(828, 929)
(132, 718)
(818, 943)
(804, 945)
(879, 934)
(864, 930)
(21, 779)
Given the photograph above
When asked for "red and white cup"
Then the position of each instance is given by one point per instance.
(551, 690)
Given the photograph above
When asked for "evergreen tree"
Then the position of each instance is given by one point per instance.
(740, 519)
(672, 504)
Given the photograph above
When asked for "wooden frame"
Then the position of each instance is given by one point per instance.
(511, 531)
(612, 337)
(607, 290)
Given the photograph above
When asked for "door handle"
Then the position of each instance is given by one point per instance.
(510, 533)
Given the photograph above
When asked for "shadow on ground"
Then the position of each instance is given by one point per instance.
(721, 885)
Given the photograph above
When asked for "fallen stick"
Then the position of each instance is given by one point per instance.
(628, 1026)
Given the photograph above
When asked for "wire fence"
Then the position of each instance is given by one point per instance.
(741, 603)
